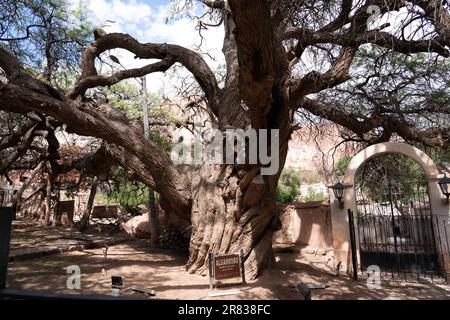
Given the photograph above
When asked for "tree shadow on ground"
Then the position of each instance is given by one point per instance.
(289, 271)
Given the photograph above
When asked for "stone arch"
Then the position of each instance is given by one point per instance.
(427, 164)
(339, 217)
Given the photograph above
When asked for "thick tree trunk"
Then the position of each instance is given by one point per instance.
(234, 207)
(233, 211)
(57, 212)
(87, 213)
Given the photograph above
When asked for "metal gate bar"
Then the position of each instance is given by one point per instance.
(398, 232)
(351, 223)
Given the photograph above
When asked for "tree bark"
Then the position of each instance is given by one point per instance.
(87, 213)
(48, 193)
(232, 211)
(16, 201)
(234, 207)
(152, 216)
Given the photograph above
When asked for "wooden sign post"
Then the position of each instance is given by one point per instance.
(225, 266)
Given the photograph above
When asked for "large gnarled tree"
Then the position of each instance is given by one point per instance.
(233, 207)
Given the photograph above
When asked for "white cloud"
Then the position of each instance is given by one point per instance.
(183, 32)
(125, 14)
(148, 24)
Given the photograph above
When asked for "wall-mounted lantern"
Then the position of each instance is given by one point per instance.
(444, 184)
(338, 190)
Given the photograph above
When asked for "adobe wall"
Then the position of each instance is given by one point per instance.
(305, 224)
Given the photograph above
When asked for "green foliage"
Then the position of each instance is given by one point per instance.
(55, 42)
(128, 195)
(342, 165)
(389, 173)
(412, 89)
(286, 194)
(127, 97)
(312, 195)
(161, 140)
(438, 155)
(125, 193)
(287, 189)
(289, 184)
(161, 113)
(290, 177)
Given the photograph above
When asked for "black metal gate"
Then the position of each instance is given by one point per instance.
(396, 230)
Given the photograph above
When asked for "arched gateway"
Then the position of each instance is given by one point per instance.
(400, 226)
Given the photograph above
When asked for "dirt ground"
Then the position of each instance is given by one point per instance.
(164, 271)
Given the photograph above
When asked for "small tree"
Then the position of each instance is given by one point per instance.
(128, 194)
(342, 165)
(288, 186)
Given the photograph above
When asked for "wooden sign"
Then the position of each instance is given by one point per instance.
(226, 266)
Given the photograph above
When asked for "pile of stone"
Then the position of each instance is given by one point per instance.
(171, 237)
(174, 238)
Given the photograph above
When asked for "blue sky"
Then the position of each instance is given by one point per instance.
(156, 2)
(146, 21)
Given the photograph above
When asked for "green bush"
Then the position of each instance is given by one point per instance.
(287, 189)
(342, 165)
(286, 194)
(290, 177)
(312, 195)
(129, 195)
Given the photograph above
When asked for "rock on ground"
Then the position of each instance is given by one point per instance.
(138, 227)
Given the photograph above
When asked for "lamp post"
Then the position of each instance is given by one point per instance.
(444, 184)
(338, 190)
